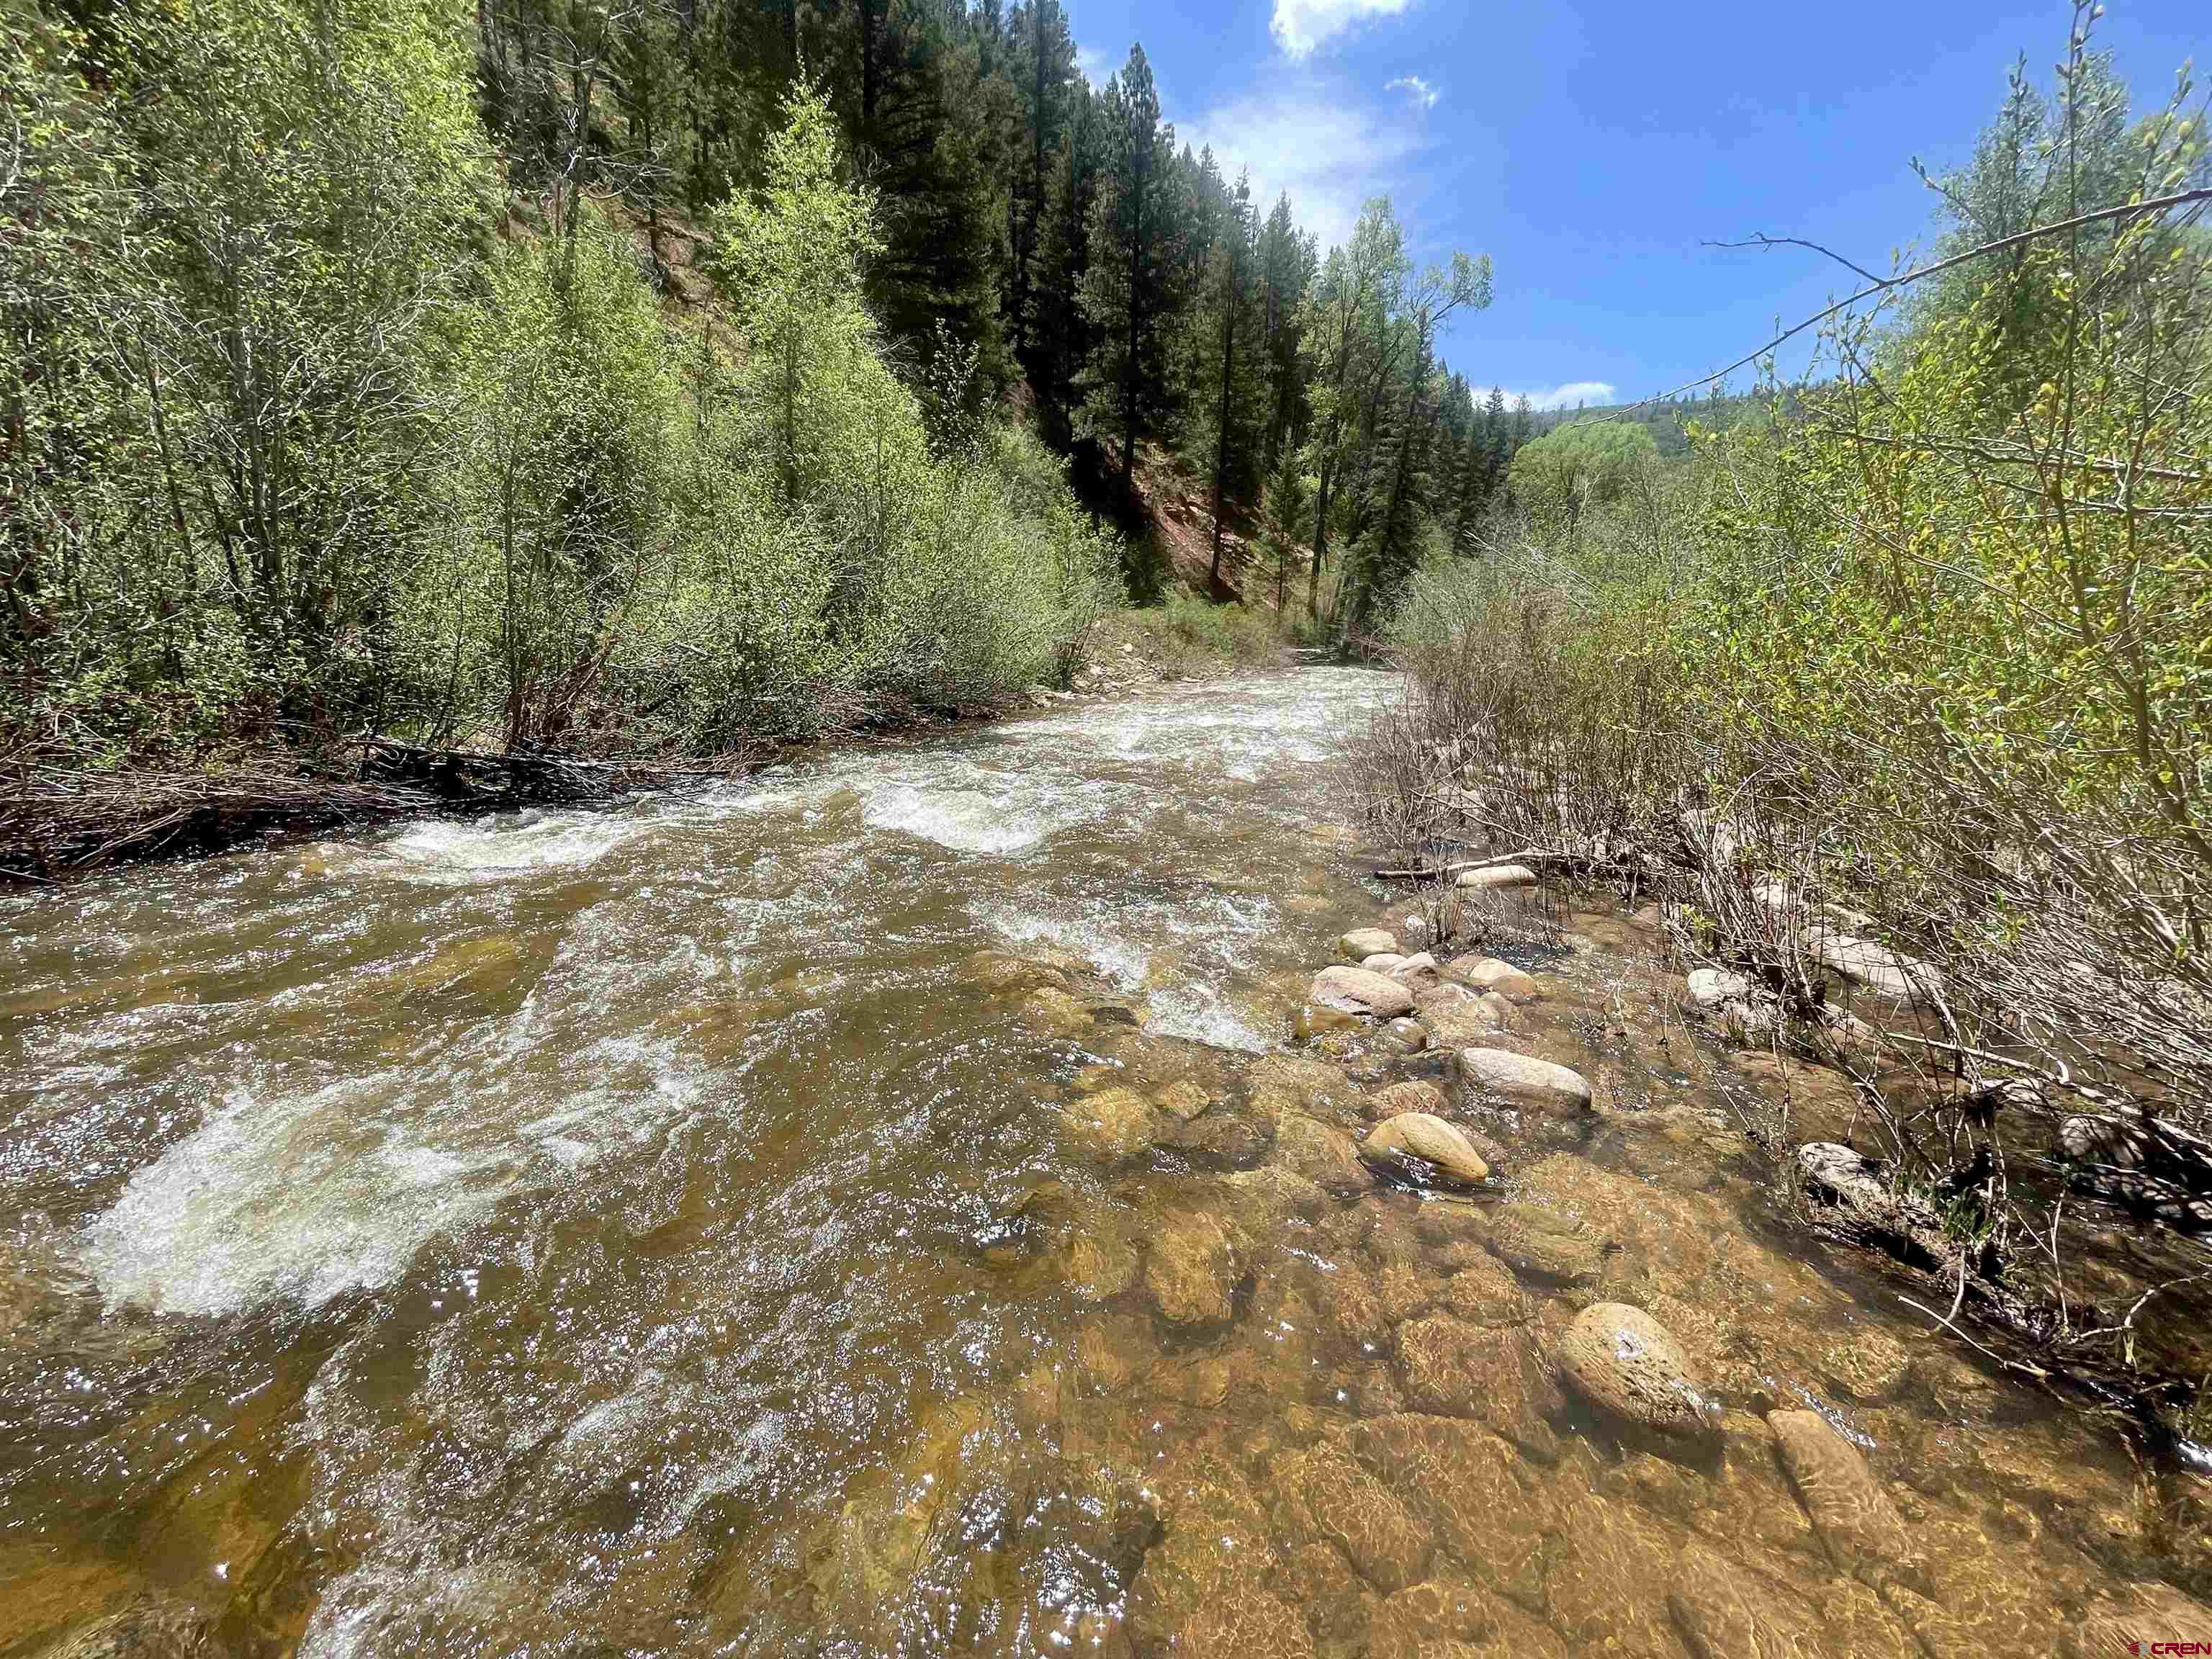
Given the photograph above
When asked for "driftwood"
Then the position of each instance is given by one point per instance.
(58, 822)
(55, 823)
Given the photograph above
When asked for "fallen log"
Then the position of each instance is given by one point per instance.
(58, 823)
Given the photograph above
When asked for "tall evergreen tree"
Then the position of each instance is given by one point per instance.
(1231, 313)
(1286, 270)
(1124, 383)
(1054, 326)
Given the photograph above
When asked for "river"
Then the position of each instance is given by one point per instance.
(713, 1225)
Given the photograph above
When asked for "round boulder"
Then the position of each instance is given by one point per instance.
(1712, 987)
(1519, 1077)
(1356, 990)
(1489, 974)
(1627, 1364)
(1419, 1146)
(1362, 943)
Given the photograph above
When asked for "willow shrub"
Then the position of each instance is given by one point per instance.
(650, 543)
(297, 444)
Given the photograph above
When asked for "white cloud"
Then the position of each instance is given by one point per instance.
(1566, 397)
(1327, 152)
(1097, 63)
(1418, 91)
(1302, 26)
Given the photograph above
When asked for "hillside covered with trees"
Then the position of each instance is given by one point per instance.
(659, 378)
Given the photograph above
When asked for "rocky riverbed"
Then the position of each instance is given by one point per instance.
(1024, 1195)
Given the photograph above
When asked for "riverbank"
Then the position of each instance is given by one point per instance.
(60, 823)
(884, 1204)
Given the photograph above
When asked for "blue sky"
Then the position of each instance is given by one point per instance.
(1588, 149)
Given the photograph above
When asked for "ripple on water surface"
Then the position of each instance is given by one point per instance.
(749, 1271)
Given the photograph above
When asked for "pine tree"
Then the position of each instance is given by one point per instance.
(1053, 323)
(1124, 290)
(1229, 313)
(1044, 73)
(1286, 270)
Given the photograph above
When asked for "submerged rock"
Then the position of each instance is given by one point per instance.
(1458, 1477)
(1520, 1077)
(1364, 942)
(1452, 1368)
(1421, 1146)
(1325, 1489)
(1322, 1154)
(1192, 1270)
(1856, 1524)
(1356, 991)
(1201, 1589)
(1470, 1022)
(1850, 1188)
(1113, 1125)
(2137, 1618)
(1872, 964)
(1410, 1095)
(1536, 1244)
(1625, 1363)
(151, 1628)
(1053, 1010)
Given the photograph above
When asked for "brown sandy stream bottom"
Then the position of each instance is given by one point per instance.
(878, 1210)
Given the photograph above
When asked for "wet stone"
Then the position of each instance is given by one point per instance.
(1356, 990)
(1470, 1022)
(1406, 1036)
(1422, 1148)
(1489, 974)
(1192, 1270)
(1858, 1524)
(1496, 877)
(1627, 1364)
(1518, 1077)
(1364, 942)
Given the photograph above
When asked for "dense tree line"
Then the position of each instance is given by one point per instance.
(382, 360)
(1042, 232)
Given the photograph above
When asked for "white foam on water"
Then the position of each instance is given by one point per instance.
(309, 1195)
(1120, 958)
(1197, 1013)
(503, 846)
(959, 820)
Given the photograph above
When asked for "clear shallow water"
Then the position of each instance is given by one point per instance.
(687, 1229)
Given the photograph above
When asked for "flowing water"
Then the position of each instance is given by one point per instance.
(868, 1209)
